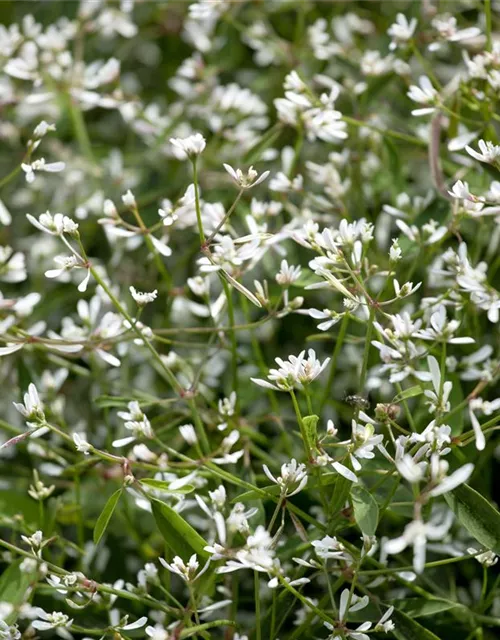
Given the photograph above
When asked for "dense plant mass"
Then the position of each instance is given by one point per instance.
(249, 311)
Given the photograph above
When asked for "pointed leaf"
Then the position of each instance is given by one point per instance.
(14, 584)
(310, 430)
(408, 629)
(179, 535)
(106, 514)
(477, 515)
(365, 509)
(411, 392)
(163, 485)
(421, 607)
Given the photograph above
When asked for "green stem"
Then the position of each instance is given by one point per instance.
(335, 355)
(487, 12)
(80, 130)
(234, 352)
(256, 583)
(197, 203)
(301, 424)
(368, 340)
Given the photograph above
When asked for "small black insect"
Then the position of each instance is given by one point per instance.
(357, 401)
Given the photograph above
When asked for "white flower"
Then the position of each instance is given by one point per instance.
(143, 298)
(489, 151)
(486, 558)
(288, 274)
(401, 31)
(51, 620)
(41, 165)
(55, 225)
(128, 200)
(188, 432)
(296, 371)
(385, 624)
(32, 409)
(81, 444)
(190, 147)
(42, 128)
(135, 421)
(67, 263)
(188, 572)
(416, 534)
(329, 316)
(251, 179)
(293, 477)
(158, 632)
(424, 94)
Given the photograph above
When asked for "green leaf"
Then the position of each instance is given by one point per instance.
(340, 495)
(407, 629)
(13, 503)
(421, 607)
(13, 586)
(310, 430)
(103, 520)
(163, 485)
(199, 628)
(411, 392)
(179, 535)
(365, 510)
(477, 515)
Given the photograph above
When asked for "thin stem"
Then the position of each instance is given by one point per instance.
(234, 353)
(333, 364)
(487, 12)
(301, 424)
(256, 583)
(197, 203)
(368, 339)
(210, 238)
(80, 130)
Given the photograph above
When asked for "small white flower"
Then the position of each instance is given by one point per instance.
(288, 274)
(53, 620)
(42, 128)
(423, 94)
(489, 152)
(192, 146)
(143, 298)
(81, 444)
(32, 409)
(41, 165)
(401, 31)
(251, 179)
(486, 558)
(188, 432)
(128, 200)
(55, 225)
(293, 477)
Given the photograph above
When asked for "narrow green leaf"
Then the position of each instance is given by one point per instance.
(421, 607)
(179, 535)
(407, 629)
(103, 520)
(340, 494)
(165, 486)
(411, 392)
(477, 515)
(310, 430)
(365, 509)
(13, 586)
(197, 629)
